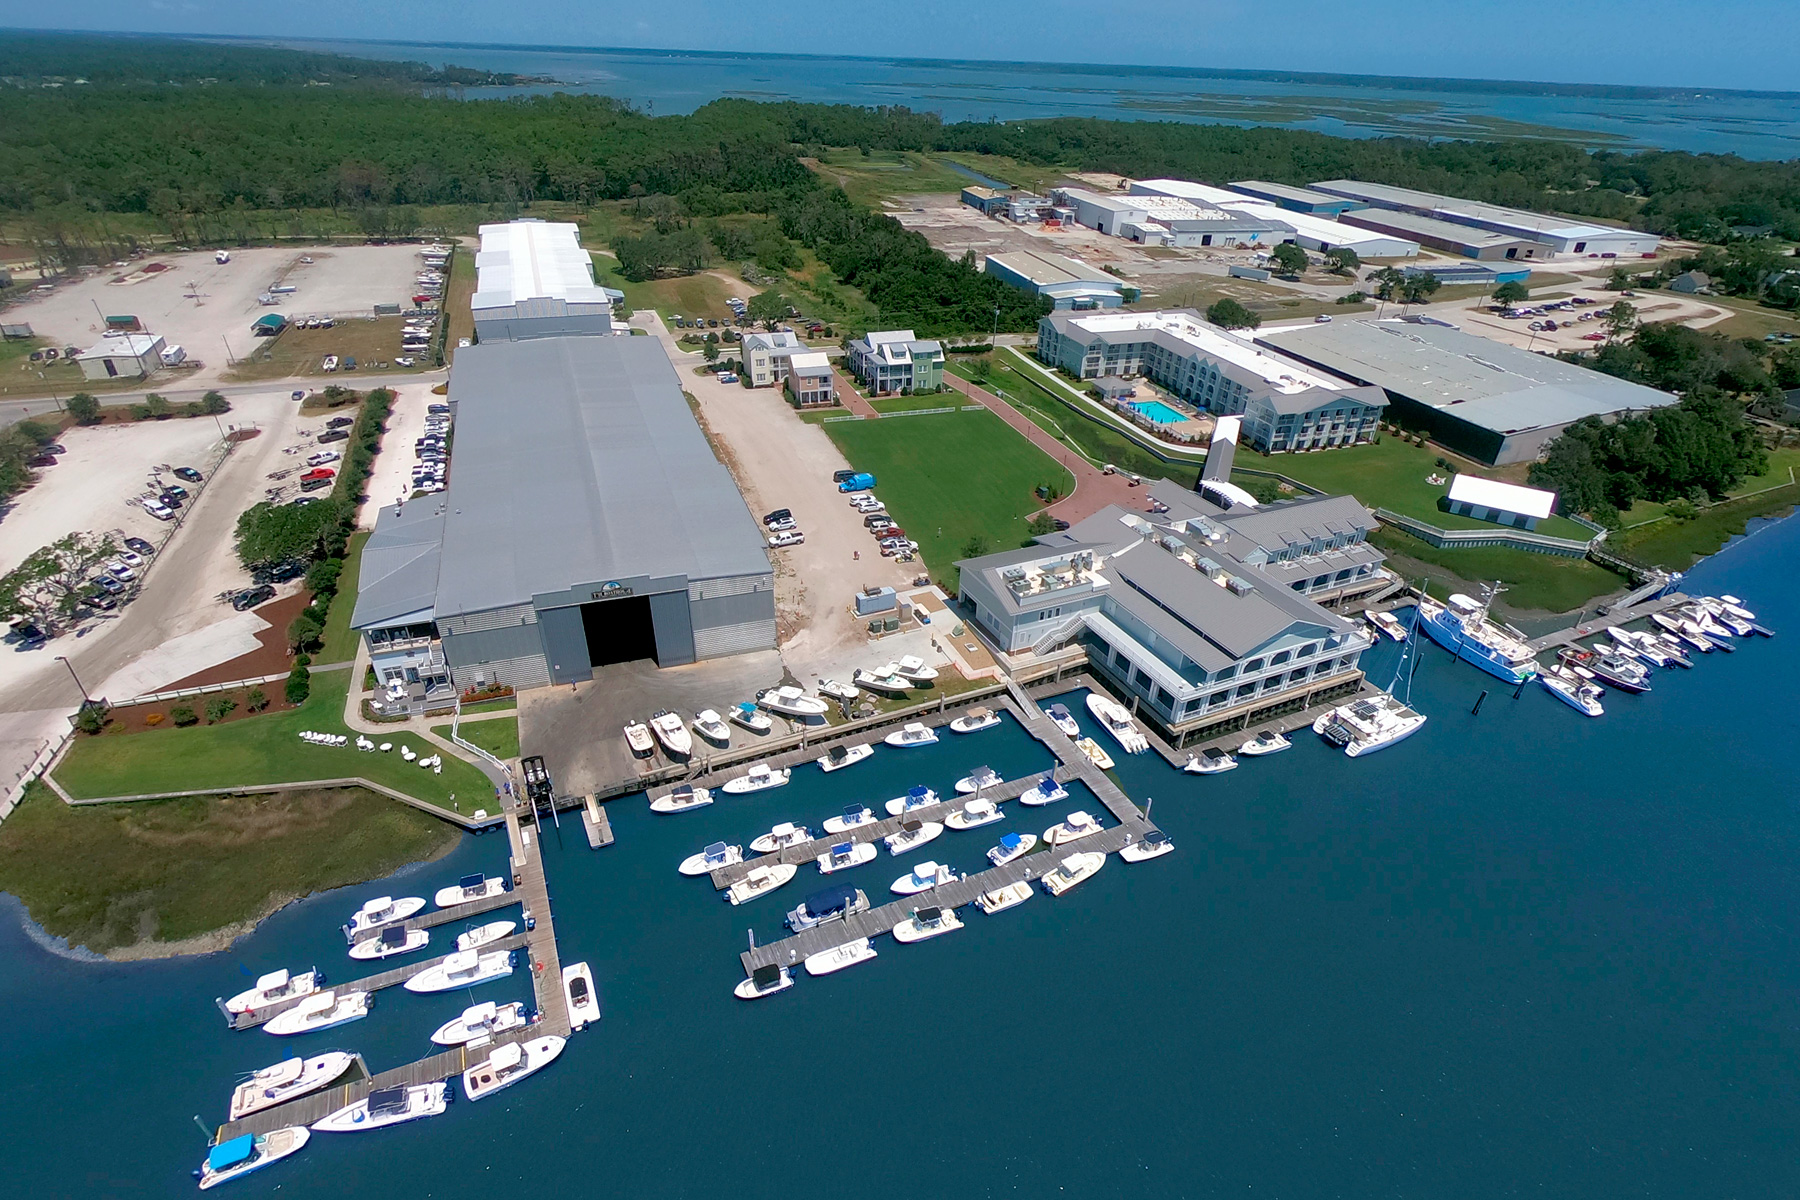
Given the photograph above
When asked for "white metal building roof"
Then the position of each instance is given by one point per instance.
(131, 345)
(1282, 375)
(530, 260)
(1509, 497)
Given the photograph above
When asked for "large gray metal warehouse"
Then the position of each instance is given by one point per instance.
(586, 522)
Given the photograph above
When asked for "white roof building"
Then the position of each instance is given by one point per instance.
(129, 355)
(1561, 234)
(534, 279)
(1503, 497)
(1314, 232)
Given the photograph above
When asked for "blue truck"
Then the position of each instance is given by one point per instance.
(857, 483)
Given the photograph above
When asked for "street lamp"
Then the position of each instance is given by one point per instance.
(71, 666)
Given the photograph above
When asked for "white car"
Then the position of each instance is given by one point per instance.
(323, 457)
(131, 558)
(403, 362)
(330, 363)
(792, 537)
(119, 570)
(156, 508)
(783, 525)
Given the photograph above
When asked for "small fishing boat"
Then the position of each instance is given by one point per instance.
(840, 756)
(845, 855)
(1063, 719)
(579, 996)
(287, 1080)
(764, 981)
(1386, 623)
(251, 1152)
(975, 720)
(882, 682)
(711, 726)
(760, 882)
(1373, 723)
(853, 815)
(483, 935)
(1573, 691)
(927, 923)
(974, 814)
(389, 1106)
(923, 877)
(509, 1063)
(916, 797)
(479, 1021)
(672, 732)
(717, 855)
(273, 988)
(322, 1010)
(913, 668)
(782, 835)
(1071, 871)
(827, 904)
(1730, 604)
(1266, 742)
(1002, 898)
(1045, 791)
(839, 691)
(1210, 761)
(1095, 753)
(912, 733)
(1116, 720)
(1613, 668)
(383, 910)
(465, 968)
(681, 798)
(838, 957)
(752, 718)
(1012, 845)
(912, 835)
(1076, 825)
(1685, 631)
(757, 778)
(392, 940)
(640, 739)
(1155, 844)
(791, 701)
(470, 888)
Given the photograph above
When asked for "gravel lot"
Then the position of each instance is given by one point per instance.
(391, 478)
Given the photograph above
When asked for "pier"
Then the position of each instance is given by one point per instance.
(1614, 617)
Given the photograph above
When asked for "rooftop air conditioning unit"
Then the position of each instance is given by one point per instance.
(1239, 587)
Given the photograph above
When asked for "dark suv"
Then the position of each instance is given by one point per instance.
(251, 597)
(780, 514)
(334, 435)
(840, 476)
(187, 473)
(340, 422)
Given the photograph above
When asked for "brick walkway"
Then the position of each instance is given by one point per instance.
(849, 397)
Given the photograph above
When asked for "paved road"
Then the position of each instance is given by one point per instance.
(13, 411)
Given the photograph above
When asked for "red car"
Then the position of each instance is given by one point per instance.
(892, 531)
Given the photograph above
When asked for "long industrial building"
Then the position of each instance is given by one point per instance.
(533, 279)
(1068, 282)
(587, 522)
(1558, 235)
(1156, 220)
(1298, 199)
(1311, 230)
(1448, 236)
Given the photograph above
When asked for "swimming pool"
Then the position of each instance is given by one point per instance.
(1159, 412)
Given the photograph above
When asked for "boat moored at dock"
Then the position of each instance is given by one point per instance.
(845, 855)
(273, 988)
(1045, 791)
(1573, 691)
(287, 1080)
(1266, 742)
(470, 888)
(1012, 845)
(912, 835)
(826, 905)
(975, 720)
(1095, 753)
(1076, 825)
(919, 796)
(922, 878)
(681, 798)
(383, 910)
(509, 1063)
(320, 1011)
(783, 835)
(839, 757)
(764, 981)
(1073, 870)
(913, 733)
(480, 1021)
(1210, 761)
(465, 968)
(974, 814)
(481, 935)
(1463, 627)
(760, 881)
(1154, 844)
(1368, 724)
(925, 923)
(391, 941)
(251, 1152)
(1002, 898)
(852, 816)
(1063, 719)
(1116, 720)
(825, 962)
(710, 859)
(756, 778)
(1386, 623)
(579, 996)
(976, 780)
(388, 1106)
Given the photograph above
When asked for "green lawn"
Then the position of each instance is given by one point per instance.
(339, 641)
(895, 404)
(1676, 544)
(951, 477)
(499, 705)
(701, 295)
(1535, 581)
(262, 749)
(499, 737)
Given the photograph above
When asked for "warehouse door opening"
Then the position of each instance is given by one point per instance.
(619, 630)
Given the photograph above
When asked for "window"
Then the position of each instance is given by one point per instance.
(1308, 651)
(1142, 679)
(1255, 664)
(1165, 699)
(1217, 698)
(1227, 673)
(1280, 658)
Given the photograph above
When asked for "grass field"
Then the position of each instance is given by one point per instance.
(373, 343)
(1677, 544)
(262, 749)
(459, 316)
(870, 179)
(952, 477)
(339, 641)
(499, 737)
(701, 295)
(500, 705)
(110, 875)
(1540, 582)
(896, 404)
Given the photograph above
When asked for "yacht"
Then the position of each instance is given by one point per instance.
(638, 737)
(839, 957)
(760, 882)
(913, 667)
(1012, 845)
(1155, 844)
(922, 878)
(480, 1021)
(764, 981)
(916, 797)
(912, 734)
(582, 1001)
(1002, 898)
(508, 1064)
(470, 888)
(1573, 691)
(827, 904)
(383, 910)
(974, 814)
(1117, 721)
(273, 988)
(845, 855)
(927, 923)
(839, 757)
(1071, 871)
(1210, 761)
(1266, 742)
(884, 681)
(465, 968)
(975, 720)
(1730, 604)
(1368, 724)
(1463, 627)
(1616, 669)
(758, 778)
(321, 1010)
(389, 1106)
(1096, 754)
(1386, 623)
(717, 855)
(483, 935)
(681, 798)
(1063, 719)
(1650, 650)
(791, 701)
(711, 726)
(1076, 825)
(1045, 791)
(286, 1080)
(752, 718)
(1721, 613)
(839, 691)
(912, 835)
(672, 732)
(853, 815)
(251, 1152)
(782, 835)
(392, 940)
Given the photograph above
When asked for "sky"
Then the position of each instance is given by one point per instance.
(1697, 43)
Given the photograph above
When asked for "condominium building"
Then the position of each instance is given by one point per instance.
(766, 356)
(896, 361)
(809, 380)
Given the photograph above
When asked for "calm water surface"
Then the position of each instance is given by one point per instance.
(1522, 954)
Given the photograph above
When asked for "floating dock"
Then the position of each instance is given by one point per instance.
(370, 983)
(596, 822)
(1622, 615)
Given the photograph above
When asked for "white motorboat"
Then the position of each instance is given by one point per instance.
(839, 691)
(974, 814)
(1573, 691)
(845, 855)
(1045, 791)
(913, 668)
(853, 815)
(1733, 617)
(509, 1063)
(839, 757)
(383, 910)
(1464, 626)
(912, 733)
(1685, 631)
(483, 935)
(1002, 898)
(1210, 761)
(1077, 824)
(916, 797)
(1012, 845)
(1072, 870)
(760, 881)
(782, 835)
(286, 1080)
(764, 981)
(321, 1010)
(391, 941)
(923, 877)
(1266, 742)
(757, 778)
(480, 1021)
(1116, 720)
(975, 720)
(640, 739)
(752, 718)
(273, 988)
(711, 726)
(681, 798)
(1387, 623)
(1155, 844)
(927, 923)
(389, 1106)
(791, 701)
(1650, 650)
(1063, 719)
(465, 968)
(672, 732)
(470, 888)
(883, 682)
(912, 835)
(1730, 604)
(1368, 724)
(251, 1152)
(838, 957)
(582, 1001)
(1096, 754)
(716, 855)
(831, 903)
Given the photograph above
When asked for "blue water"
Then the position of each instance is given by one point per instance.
(1522, 953)
(1158, 412)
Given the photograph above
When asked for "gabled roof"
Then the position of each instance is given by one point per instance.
(399, 575)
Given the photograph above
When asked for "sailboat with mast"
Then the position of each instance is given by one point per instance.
(1371, 723)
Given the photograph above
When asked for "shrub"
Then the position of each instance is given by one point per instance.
(298, 686)
(91, 719)
(84, 408)
(212, 404)
(184, 716)
(304, 632)
(218, 708)
(322, 577)
(153, 720)
(257, 700)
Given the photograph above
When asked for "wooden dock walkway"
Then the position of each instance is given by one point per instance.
(1613, 618)
(546, 963)
(370, 983)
